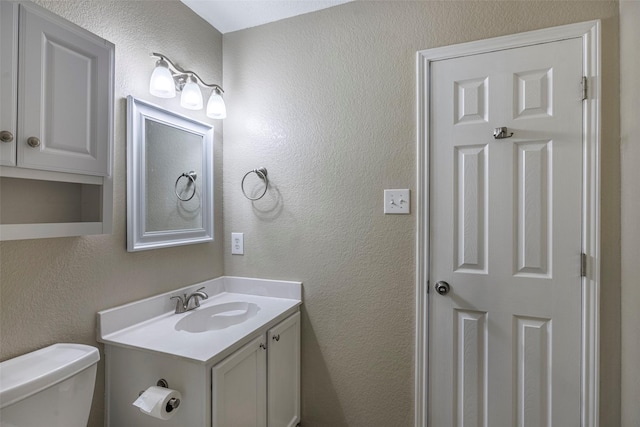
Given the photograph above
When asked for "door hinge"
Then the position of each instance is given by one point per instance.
(585, 91)
(583, 265)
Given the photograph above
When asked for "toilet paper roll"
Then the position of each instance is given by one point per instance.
(155, 402)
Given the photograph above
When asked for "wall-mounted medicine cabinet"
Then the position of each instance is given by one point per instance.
(56, 126)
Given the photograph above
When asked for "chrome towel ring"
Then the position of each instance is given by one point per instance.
(262, 174)
(192, 176)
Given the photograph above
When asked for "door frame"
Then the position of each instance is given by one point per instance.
(589, 32)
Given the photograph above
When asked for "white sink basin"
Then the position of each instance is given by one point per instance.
(219, 316)
(237, 310)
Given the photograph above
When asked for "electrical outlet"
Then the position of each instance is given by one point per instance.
(237, 243)
(396, 201)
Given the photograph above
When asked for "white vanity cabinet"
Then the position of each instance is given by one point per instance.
(56, 125)
(259, 385)
(235, 359)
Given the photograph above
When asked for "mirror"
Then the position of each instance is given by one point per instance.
(169, 178)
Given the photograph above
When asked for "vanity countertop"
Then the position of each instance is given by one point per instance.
(152, 325)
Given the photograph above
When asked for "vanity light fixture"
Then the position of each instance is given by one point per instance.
(167, 78)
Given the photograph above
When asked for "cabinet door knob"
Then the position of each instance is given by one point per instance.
(262, 346)
(6, 136)
(33, 141)
(276, 337)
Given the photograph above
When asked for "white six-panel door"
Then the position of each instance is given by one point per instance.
(505, 234)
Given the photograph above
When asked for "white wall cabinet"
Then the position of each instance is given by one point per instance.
(259, 385)
(56, 125)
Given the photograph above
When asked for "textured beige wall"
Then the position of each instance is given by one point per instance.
(630, 154)
(326, 102)
(51, 289)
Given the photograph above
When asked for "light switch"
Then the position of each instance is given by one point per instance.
(397, 201)
(237, 243)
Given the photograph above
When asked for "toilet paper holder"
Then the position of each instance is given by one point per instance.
(172, 403)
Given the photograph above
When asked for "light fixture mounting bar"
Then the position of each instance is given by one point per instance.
(182, 72)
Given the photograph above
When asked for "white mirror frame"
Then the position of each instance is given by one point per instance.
(138, 112)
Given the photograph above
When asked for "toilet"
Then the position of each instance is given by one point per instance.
(50, 387)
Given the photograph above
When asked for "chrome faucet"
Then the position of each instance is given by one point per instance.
(182, 302)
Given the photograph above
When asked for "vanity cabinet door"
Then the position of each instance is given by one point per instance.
(65, 91)
(239, 388)
(283, 373)
(8, 81)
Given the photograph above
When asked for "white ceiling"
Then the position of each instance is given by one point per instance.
(233, 15)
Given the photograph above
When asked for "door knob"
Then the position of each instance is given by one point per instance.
(442, 287)
(6, 136)
(33, 142)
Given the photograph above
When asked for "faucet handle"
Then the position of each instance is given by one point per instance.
(197, 295)
(180, 306)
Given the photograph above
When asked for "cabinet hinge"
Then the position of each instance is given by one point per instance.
(428, 287)
(583, 265)
(584, 88)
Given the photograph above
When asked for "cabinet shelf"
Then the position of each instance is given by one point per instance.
(33, 208)
(39, 231)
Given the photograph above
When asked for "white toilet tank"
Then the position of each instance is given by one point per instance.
(50, 387)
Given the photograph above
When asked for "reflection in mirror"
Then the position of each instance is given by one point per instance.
(165, 211)
(170, 178)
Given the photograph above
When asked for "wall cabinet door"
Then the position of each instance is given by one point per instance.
(8, 81)
(239, 388)
(283, 373)
(64, 96)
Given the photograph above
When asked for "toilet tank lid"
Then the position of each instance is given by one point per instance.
(30, 373)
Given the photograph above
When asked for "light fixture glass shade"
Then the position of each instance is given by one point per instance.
(161, 83)
(215, 107)
(191, 97)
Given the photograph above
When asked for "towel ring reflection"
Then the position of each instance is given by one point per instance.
(262, 174)
(192, 180)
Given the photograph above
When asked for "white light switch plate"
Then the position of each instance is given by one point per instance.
(237, 243)
(397, 201)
